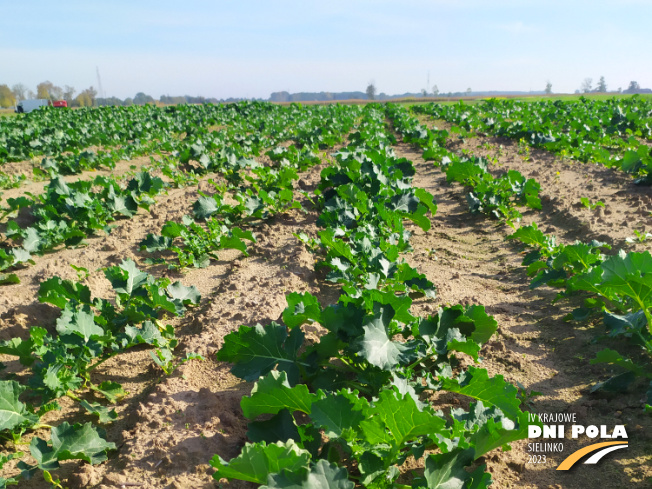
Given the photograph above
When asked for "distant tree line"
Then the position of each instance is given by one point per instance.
(10, 96)
(87, 97)
(601, 87)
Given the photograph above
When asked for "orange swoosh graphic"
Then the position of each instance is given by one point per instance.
(575, 456)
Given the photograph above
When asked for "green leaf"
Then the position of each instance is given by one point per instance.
(102, 412)
(71, 442)
(396, 419)
(258, 461)
(124, 205)
(376, 346)
(13, 413)
(625, 324)
(187, 295)
(464, 172)
(32, 240)
(280, 427)
(59, 379)
(9, 278)
(273, 393)
(612, 357)
(446, 470)
(21, 348)
(340, 248)
(531, 236)
(494, 391)
(494, 434)
(234, 242)
(173, 230)
(630, 276)
(426, 199)
(257, 350)
(59, 292)
(336, 414)
(80, 322)
(323, 475)
(144, 183)
(149, 334)
(301, 309)
(484, 324)
(204, 207)
(154, 243)
(126, 277)
(111, 390)
(471, 348)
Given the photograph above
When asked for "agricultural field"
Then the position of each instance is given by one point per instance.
(336, 296)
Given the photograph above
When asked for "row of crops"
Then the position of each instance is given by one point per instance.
(351, 408)
(617, 289)
(614, 133)
(91, 330)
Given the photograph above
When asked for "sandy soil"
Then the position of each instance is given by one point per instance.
(170, 427)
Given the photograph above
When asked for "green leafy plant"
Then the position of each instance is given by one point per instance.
(591, 205)
(198, 244)
(639, 237)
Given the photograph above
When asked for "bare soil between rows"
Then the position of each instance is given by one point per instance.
(170, 427)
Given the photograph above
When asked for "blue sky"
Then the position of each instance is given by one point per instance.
(252, 48)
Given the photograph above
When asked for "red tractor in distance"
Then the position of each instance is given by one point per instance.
(25, 106)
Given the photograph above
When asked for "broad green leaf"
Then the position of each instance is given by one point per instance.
(80, 322)
(102, 412)
(426, 199)
(625, 324)
(126, 277)
(154, 243)
(149, 334)
(471, 348)
(494, 434)
(494, 391)
(13, 412)
(204, 207)
(614, 358)
(273, 393)
(484, 324)
(172, 230)
(280, 427)
(323, 475)
(330, 242)
(111, 390)
(9, 278)
(73, 442)
(123, 205)
(478, 415)
(32, 240)
(396, 419)
(446, 470)
(631, 276)
(60, 379)
(376, 346)
(258, 461)
(301, 309)
(531, 236)
(464, 172)
(187, 295)
(336, 414)
(20, 348)
(257, 350)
